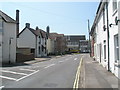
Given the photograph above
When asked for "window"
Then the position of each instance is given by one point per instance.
(104, 49)
(116, 44)
(104, 27)
(114, 5)
(39, 40)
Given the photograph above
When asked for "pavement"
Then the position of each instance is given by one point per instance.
(94, 75)
(36, 60)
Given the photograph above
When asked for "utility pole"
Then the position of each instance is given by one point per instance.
(89, 37)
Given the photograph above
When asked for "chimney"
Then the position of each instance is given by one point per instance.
(48, 31)
(28, 25)
(37, 28)
(17, 22)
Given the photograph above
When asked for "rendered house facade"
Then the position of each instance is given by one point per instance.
(7, 39)
(104, 36)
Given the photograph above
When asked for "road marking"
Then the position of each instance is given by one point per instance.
(8, 78)
(75, 59)
(61, 61)
(27, 69)
(66, 59)
(27, 76)
(13, 72)
(2, 87)
(49, 65)
(76, 82)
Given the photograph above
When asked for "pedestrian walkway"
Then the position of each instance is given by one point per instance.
(94, 75)
(41, 59)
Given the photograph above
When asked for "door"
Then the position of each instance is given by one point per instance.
(100, 47)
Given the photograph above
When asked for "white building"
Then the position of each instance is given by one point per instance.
(106, 46)
(33, 39)
(7, 39)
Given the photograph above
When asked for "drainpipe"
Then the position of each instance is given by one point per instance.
(108, 36)
(36, 46)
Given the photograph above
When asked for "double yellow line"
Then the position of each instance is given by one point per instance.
(76, 82)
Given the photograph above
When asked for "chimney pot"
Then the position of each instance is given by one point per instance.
(48, 29)
(37, 28)
(28, 25)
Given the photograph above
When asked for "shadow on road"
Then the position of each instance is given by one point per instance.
(13, 64)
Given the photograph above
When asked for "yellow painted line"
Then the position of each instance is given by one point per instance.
(76, 82)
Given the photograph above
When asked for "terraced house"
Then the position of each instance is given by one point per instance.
(35, 39)
(105, 36)
(7, 39)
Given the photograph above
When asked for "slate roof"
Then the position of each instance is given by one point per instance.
(35, 32)
(55, 35)
(43, 33)
(6, 17)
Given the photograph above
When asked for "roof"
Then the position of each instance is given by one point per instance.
(55, 35)
(35, 32)
(7, 18)
(43, 33)
(100, 7)
(75, 37)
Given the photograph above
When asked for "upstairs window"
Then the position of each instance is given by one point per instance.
(114, 5)
(104, 27)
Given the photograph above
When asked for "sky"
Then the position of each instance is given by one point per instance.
(69, 18)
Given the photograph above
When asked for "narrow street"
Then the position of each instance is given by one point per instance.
(55, 73)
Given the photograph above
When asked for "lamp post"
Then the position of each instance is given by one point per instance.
(89, 37)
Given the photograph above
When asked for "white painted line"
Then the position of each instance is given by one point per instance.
(49, 65)
(75, 59)
(27, 69)
(61, 61)
(8, 78)
(27, 76)
(66, 59)
(13, 72)
(2, 87)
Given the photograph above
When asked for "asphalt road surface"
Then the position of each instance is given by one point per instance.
(55, 73)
